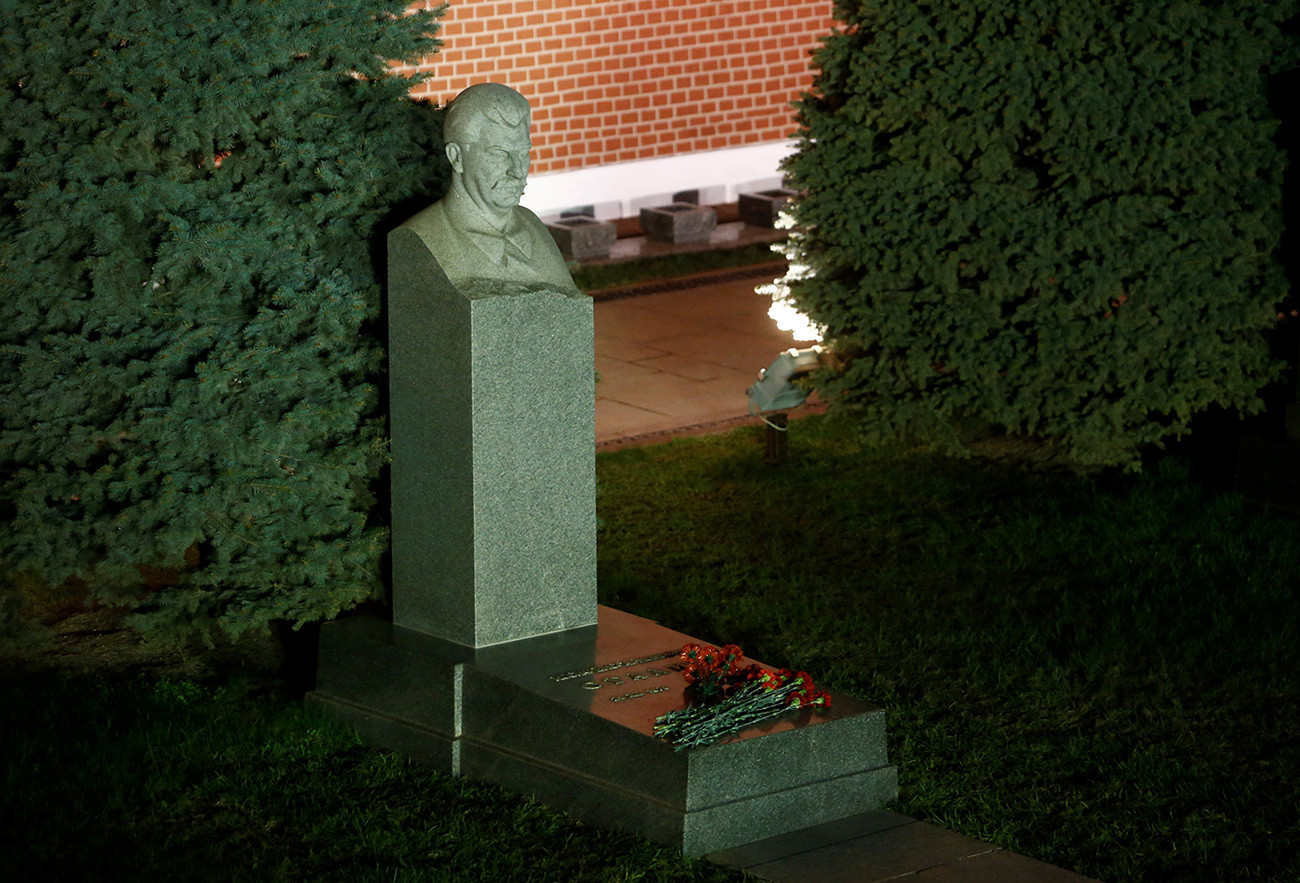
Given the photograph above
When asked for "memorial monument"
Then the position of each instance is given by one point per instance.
(492, 395)
(497, 663)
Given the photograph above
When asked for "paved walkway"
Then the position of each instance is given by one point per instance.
(675, 358)
(675, 361)
(877, 846)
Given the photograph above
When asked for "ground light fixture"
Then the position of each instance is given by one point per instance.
(775, 394)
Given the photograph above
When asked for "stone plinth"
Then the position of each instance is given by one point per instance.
(580, 239)
(761, 209)
(679, 222)
(568, 718)
(493, 447)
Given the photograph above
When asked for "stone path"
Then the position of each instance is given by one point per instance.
(877, 846)
(674, 361)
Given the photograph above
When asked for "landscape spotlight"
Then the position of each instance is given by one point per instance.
(774, 390)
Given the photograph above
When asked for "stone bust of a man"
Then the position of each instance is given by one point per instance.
(478, 232)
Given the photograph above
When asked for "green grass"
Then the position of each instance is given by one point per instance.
(594, 277)
(172, 780)
(1100, 673)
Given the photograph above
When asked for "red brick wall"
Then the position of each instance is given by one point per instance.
(616, 80)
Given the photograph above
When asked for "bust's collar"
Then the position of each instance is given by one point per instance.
(469, 219)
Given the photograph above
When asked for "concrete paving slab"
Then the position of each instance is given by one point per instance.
(681, 357)
(885, 855)
(747, 353)
(726, 304)
(691, 400)
(617, 420)
(625, 350)
(673, 373)
(758, 324)
(682, 366)
(883, 845)
(631, 382)
(809, 839)
(999, 867)
(627, 320)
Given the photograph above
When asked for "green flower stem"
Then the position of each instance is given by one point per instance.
(701, 725)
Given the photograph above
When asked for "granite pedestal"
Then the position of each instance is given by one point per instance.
(761, 209)
(679, 222)
(494, 454)
(581, 239)
(568, 718)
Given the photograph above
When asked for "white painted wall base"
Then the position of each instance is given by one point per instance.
(621, 190)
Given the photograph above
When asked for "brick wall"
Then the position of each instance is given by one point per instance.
(618, 80)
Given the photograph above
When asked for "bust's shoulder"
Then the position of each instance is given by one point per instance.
(548, 263)
(426, 219)
(525, 217)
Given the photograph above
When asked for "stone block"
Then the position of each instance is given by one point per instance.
(493, 455)
(679, 222)
(581, 238)
(569, 718)
(761, 209)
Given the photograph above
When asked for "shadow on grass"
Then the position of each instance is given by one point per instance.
(162, 779)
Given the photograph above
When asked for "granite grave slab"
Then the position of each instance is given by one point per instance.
(569, 717)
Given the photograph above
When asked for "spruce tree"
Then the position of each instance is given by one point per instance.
(1061, 219)
(188, 355)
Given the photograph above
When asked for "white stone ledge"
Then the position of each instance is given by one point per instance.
(620, 190)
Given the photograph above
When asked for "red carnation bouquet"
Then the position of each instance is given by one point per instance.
(726, 697)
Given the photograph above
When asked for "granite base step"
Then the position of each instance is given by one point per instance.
(568, 718)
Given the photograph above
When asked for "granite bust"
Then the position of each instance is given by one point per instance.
(482, 238)
(491, 401)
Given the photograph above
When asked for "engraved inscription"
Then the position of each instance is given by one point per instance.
(617, 681)
(623, 697)
(644, 675)
(611, 666)
(593, 684)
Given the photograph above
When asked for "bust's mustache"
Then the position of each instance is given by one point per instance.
(509, 186)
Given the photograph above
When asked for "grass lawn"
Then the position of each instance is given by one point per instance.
(1101, 673)
(161, 779)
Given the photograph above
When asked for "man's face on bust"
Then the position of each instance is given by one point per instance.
(494, 168)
